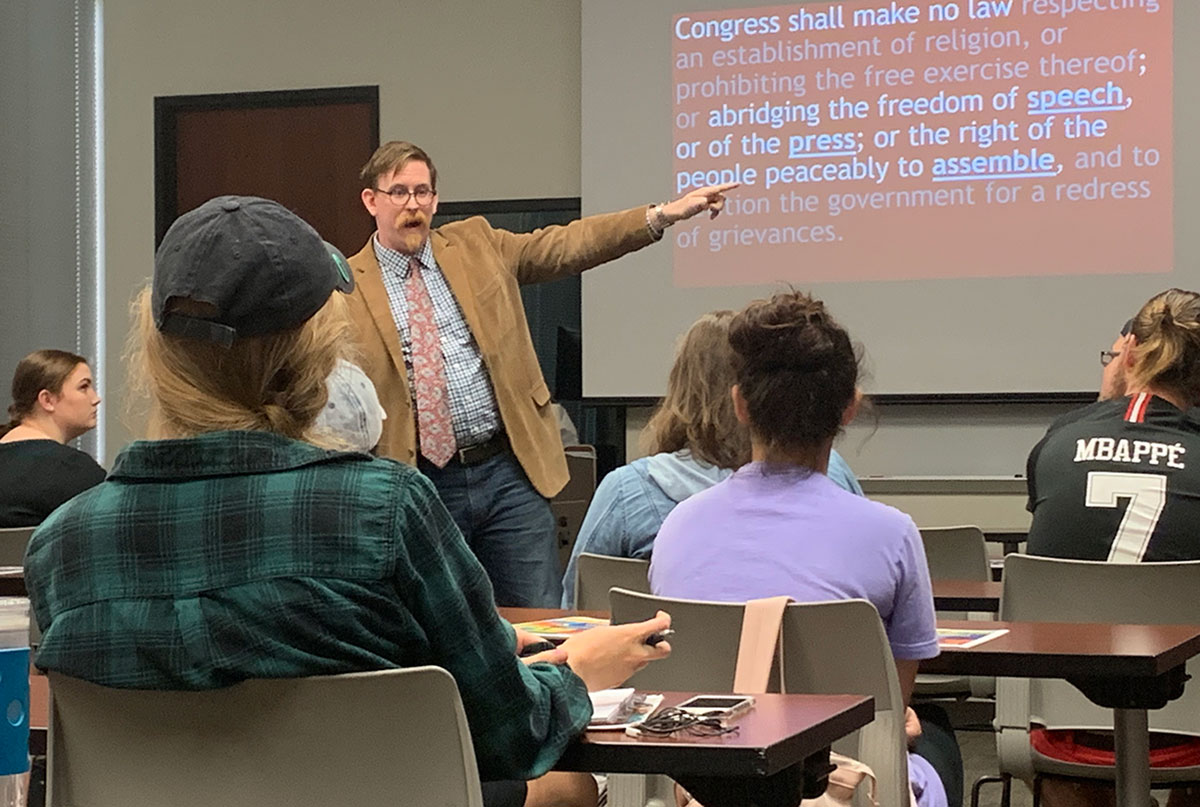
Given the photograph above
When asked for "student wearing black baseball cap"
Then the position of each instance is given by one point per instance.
(245, 267)
(236, 546)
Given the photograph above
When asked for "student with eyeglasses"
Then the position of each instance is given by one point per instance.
(442, 333)
(1119, 480)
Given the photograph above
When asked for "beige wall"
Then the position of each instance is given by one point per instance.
(990, 502)
(490, 89)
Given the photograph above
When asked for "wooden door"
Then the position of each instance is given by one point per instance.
(302, 148)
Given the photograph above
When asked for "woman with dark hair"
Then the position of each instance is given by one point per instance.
(54, 401)
(780, 526)
(693, 439)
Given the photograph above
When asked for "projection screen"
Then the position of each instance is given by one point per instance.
(982, 191)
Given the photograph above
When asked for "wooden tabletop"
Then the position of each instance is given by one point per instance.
(1034, 649)
(1068, 650)
(948, 595)
(778, 732)
(966, 595)
(999, 534)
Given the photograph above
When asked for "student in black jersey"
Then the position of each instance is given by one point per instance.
(54, 401)
(1119, 480)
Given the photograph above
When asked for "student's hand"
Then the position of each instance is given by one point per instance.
(912, 726)
(525, 638)
(711, 199)
(607, 655)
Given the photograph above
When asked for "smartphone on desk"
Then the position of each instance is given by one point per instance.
(716, 705)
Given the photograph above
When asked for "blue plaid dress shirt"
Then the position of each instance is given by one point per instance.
(473, 408)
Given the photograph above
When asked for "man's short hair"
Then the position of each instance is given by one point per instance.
(392, 156)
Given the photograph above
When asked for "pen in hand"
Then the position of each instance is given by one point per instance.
(534, 648)
(659, 636)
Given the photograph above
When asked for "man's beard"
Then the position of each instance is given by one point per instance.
(412, 227)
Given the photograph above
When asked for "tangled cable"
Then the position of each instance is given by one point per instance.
(671, 720)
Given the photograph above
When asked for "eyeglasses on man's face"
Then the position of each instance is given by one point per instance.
(400, 194)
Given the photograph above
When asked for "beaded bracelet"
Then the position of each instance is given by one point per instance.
(656, 220)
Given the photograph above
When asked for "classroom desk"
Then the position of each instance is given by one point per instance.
(780, 750)
(948, 595)
(1127, 668)
(966, 595)
(1012, 538)
(779, 754)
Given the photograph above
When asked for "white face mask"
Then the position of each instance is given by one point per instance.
(353, 414)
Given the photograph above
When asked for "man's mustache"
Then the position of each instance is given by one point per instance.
(404, 219)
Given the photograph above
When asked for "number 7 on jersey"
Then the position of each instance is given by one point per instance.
(1147, 494)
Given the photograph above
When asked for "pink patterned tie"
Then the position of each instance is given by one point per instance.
(434, 427)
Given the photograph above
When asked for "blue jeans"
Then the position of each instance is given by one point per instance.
(507, 524)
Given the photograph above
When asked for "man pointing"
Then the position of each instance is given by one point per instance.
(443, 335)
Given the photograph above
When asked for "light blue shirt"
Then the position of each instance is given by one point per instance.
(630, 504)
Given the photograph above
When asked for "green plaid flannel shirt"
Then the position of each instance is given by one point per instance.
(204, 561)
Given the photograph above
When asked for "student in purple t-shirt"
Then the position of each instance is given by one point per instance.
(779, 526)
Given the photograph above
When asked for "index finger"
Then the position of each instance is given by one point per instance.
(728, 186)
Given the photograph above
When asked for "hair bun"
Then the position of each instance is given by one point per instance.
(796, 368)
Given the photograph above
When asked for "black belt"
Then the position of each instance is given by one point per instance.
(481, 452)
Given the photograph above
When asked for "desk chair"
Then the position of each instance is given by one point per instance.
(1053, 590)
(570, 505)
(596, 574)
(705, 657)
(705, 662)
(840, 648)
(956, 553)
(13, 541)
(374, 738)
(829, 648)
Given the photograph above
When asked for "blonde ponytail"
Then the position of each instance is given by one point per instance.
(1167, 353)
